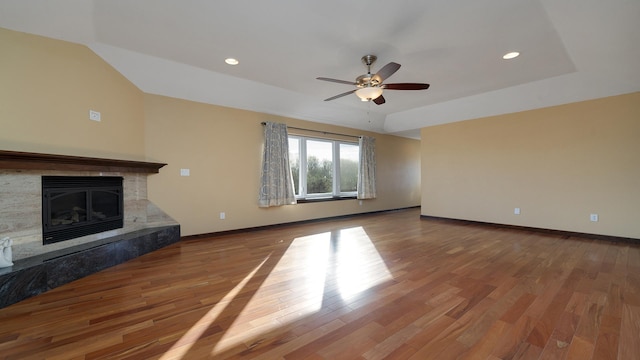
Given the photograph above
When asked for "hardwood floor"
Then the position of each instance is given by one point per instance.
(381, 286)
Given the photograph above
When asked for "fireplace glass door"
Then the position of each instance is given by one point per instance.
(78, 206)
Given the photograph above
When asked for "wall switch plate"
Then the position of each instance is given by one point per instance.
(516, 211)
(593, 217)
(184, 172)
(222, 216)
(94, 115)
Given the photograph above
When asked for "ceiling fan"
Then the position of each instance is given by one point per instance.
(370, 87)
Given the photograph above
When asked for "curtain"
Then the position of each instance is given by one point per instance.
(367, 168)
(276, 182)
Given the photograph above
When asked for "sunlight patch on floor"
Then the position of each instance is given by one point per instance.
(282, 298)
(359, 266)
(340, 263)
(182, 346)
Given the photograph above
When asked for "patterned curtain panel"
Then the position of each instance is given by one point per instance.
(276, 182)
(367, 169)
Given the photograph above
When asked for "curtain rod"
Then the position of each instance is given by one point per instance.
(318, 131)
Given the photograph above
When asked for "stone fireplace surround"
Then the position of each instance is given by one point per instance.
(37, 267)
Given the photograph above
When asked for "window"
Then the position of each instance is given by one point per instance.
(323, 168)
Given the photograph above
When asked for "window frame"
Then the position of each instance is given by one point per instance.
(336, 193)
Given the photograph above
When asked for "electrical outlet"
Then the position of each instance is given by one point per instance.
(94, 115)
(222, 216)
(593, 217)
(185, 172)
(516, 211)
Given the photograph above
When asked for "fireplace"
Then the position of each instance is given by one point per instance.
(37, 267)
(75, 206)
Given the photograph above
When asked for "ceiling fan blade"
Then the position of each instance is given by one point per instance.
(341, 95)
(385, 72)
(336, 81)
(405, 86)
(379, 100)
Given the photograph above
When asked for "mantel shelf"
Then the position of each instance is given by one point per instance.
(16, 160)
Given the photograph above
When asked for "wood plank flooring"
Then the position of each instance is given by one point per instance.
(380, 286)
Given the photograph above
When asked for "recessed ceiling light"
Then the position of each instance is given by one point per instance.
(511, 55)
(231, 61)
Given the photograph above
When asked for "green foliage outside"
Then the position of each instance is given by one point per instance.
(348, 175)
(320, 175)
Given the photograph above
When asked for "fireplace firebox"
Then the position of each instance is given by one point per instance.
(75, 206)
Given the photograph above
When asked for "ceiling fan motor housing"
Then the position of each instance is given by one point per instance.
(366, 80)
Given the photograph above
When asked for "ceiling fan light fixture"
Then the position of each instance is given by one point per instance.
(368, 93)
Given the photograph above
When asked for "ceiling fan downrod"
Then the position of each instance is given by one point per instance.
(369, 60)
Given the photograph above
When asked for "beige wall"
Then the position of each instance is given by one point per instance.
(222, 149)
(558, 164)
(47, 88)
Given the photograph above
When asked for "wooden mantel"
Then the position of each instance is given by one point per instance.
(16, 160)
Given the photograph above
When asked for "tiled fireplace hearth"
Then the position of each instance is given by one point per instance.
(37, 267)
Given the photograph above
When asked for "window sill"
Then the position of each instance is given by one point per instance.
(322, 199)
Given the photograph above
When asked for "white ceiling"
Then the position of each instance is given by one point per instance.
(572, 50)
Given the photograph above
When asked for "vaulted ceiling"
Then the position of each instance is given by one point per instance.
(571, 50)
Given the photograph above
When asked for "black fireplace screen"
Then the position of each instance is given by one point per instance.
(75, 206)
